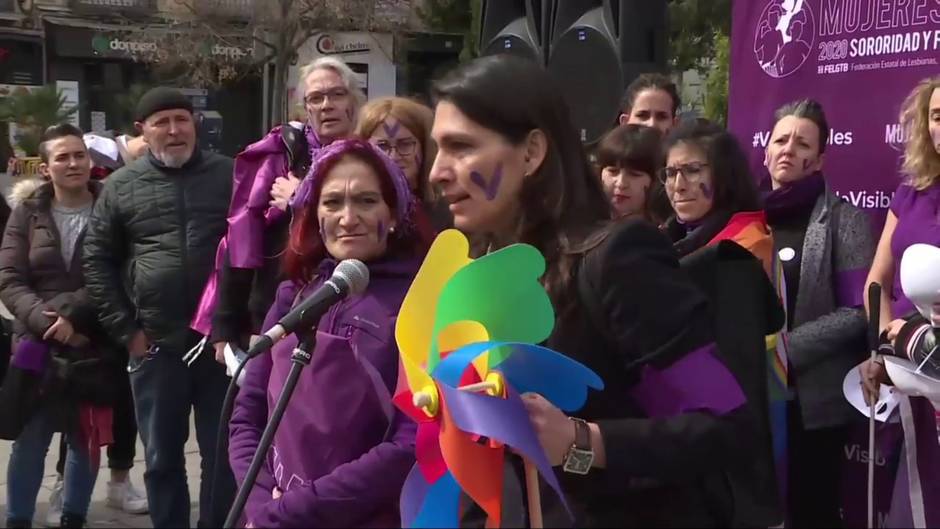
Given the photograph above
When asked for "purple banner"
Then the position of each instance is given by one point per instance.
(859, 58)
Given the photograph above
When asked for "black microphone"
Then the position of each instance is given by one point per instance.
(351, 276)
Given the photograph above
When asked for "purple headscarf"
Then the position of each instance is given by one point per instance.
(404, 213)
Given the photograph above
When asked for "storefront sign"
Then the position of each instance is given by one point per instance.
(140, 44)
(108, 6)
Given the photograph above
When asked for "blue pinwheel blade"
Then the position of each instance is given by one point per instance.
(528, 369)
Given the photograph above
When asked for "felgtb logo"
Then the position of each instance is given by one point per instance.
(785, 36)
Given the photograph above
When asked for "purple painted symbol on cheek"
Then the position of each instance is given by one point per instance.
(706, 191)
(380, 231)
(323, 230)
(806, 164)
(391, 130)
(349, 114)
(491, 188)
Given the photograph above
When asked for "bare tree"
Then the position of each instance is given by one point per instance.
(214, 41)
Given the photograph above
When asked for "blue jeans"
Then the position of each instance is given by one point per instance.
(27, 466)
(165, 392)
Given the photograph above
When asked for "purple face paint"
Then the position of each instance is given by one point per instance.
(706, 191)
(380, 231)
(491, 188)
(806, 164)
(349, 114)
(391, 130)
(323, 230)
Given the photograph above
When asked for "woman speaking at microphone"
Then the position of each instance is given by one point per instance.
(342, 452)
(650, 449)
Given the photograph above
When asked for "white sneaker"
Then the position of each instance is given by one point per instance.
(125, 497)
(54, 514)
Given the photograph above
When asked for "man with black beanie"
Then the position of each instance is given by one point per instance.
(149, 250)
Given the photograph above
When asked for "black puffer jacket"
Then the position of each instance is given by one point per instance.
(151, 246)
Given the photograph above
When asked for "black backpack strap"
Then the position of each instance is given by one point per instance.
(298, 153)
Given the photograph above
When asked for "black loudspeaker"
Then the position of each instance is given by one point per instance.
(596, 48)
(514, 26)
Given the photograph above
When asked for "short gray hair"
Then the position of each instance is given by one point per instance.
(341, 69)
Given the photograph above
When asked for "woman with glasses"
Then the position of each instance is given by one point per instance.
(266, 177)
(401, 128)
(712, 193)
(823, 247)
(715, 200)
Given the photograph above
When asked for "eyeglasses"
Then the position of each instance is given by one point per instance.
(318, 98)
(402, 147)
(692, 172)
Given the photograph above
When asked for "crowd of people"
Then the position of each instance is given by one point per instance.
(722, 310)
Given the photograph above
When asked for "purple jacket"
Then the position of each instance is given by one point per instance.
(256, 169)
(342, 451)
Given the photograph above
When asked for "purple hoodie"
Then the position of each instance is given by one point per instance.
(342, 451)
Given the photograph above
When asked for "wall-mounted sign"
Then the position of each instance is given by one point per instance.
(107, 6)
(69, 41)
(328, 44)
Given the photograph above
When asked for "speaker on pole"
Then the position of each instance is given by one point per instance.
(596, 48)
(514, 26)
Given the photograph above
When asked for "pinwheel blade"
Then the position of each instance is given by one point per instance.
(424, 504)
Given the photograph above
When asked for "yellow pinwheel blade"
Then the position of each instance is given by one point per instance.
(415, 324)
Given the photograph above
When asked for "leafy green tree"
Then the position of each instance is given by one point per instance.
(34, 111)
(454, 16)
(716, 83)
(695, 27)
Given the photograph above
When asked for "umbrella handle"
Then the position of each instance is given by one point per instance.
(533, 495)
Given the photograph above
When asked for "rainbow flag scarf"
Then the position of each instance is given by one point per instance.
(750, 230)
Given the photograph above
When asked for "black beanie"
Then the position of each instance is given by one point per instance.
(161, 98)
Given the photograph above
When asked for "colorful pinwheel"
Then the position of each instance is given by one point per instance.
(466, 333)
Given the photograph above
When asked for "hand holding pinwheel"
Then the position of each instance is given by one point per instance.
(466, 333)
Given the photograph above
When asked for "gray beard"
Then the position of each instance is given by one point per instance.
(172, 161)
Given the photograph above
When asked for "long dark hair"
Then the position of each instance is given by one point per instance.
(562, 203)
(734, 185)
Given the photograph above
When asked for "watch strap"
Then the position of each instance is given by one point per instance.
(582, 434)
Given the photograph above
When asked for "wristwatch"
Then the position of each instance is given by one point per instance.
(580, 456)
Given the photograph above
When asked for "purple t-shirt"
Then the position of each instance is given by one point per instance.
(918, 214)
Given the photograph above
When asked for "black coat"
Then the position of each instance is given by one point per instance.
(151, 245)
(639, 308)
(244, 294)
(746, 309)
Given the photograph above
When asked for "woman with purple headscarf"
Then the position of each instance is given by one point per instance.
(342, 452)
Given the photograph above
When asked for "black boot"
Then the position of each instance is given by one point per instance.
(19, 524)
(70, 521)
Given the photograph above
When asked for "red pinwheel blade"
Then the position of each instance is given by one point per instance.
(478, 468)
(428, 452)
(404, 401)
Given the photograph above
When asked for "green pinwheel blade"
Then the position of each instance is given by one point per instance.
(502, 292)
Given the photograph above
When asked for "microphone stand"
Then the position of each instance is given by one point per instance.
(300, 358)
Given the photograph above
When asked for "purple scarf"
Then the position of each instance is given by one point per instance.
(794, 198)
